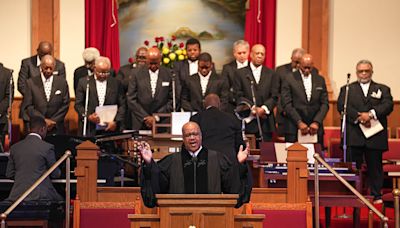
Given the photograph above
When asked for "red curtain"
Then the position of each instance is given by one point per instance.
(260, 27)
(101, 28)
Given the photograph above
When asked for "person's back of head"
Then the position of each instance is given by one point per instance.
(37, 125)
(212, 100)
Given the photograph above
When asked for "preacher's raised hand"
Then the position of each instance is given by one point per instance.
(145, 152)
(242, 154)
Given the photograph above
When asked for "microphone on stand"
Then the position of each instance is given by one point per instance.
(173, 76)
(86, 107)
(344, 117)
(194, 160)
(255, 104)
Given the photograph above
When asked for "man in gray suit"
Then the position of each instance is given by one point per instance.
(29, 159)
(30, 67)
(149, 91)
(305, 101)
(47, 96)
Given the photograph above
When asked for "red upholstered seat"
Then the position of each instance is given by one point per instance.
(279, 218)
(105, 217)
(391, 168)
(388, 197)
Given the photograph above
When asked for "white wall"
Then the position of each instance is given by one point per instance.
(288, 29)
(15, 38)
(72, 37)
(365, 29)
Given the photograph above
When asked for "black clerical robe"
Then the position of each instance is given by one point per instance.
(215, 174)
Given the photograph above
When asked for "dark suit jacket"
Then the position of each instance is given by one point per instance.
(35, 102)
(221, 131)
(266, 93)
(5, 75)
(79, 73)
(125, 74)
(357, 102)
(228, 74)
(29, 69)
(114, 96)
(192, 97)
(140, 101)
(296, 105)
(28, 160)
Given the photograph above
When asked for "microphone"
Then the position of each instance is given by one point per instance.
(173, 77)
(11, 71)
(348, 77)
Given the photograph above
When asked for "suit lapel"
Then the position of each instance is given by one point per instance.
(313, 86)
(159, 83)
(299, 80)
(210, 83)
(38, 82)
(361, 92)
(54, 86)
(93, 89)
(108, 90)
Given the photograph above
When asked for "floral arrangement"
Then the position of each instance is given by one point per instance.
(171, 51)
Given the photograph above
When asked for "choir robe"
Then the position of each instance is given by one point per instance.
(215, 174)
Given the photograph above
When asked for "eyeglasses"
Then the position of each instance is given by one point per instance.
(187, 135)
(363, 71)
(141, 57)
(103, 73)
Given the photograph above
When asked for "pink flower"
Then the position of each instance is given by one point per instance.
(146, 42)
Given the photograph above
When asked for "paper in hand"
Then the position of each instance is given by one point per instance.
(308, 138)
(106, 113)
(375, 128)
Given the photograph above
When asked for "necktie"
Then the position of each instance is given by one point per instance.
(47, 89)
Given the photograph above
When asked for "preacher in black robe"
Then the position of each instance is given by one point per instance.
(175, 174)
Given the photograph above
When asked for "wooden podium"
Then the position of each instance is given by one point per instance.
(196, 210)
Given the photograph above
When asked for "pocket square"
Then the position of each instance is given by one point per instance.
(318, 88)
(57, 92)
(165, 83)
(55, 72)
(377, 94)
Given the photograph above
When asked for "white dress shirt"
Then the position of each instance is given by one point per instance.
(101, 87)
(193, 67)
(365, 88)
(307, 85)
(153, 81)
(194, 154)
(204, 82)
(241, 65)
(256, 72)
(47, 84)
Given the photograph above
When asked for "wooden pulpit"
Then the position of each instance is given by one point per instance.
(196, 210)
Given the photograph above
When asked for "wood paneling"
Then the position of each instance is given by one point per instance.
(45, 24)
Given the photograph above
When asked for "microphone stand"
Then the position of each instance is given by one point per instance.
(173, 76)
(344, 117)
(255, 104)
(85, 117)
(344, 133)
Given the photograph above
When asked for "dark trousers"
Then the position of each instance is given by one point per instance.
(373, 158)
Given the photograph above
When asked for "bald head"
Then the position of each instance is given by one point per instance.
(191, 136)
(47, 65)
(257, 54)
(306, 64)
(102, 66)
(153, 59)
(212, 100)
(44, 48)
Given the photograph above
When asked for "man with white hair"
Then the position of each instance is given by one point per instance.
(89, 55)
(103, 90)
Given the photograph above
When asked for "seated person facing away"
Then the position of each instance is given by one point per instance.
(175, 174)
(29, 159)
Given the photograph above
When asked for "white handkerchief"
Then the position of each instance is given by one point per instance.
(57, 92)
(375, 128)
(165, 84)
(377, 94)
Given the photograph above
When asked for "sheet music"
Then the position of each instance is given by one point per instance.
(178, 119)
(106, 113)
(375, 128)
(308, 138)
